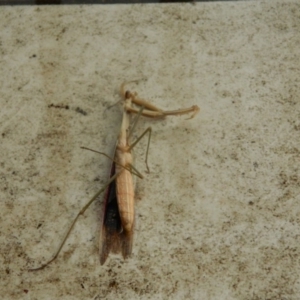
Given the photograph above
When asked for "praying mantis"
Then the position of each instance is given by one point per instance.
(116, 234)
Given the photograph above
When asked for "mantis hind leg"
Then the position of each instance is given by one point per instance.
(83, 209)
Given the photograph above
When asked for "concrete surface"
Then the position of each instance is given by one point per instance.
(218, 217)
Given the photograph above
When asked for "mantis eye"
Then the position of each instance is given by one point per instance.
(127, 94)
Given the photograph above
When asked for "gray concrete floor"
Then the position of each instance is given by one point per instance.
(218, 217)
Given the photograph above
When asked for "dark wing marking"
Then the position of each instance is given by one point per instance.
(112, 236)
(111, 227)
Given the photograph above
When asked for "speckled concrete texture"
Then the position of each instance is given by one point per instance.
(218, 217)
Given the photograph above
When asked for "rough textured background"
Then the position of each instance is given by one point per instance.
(218, 217)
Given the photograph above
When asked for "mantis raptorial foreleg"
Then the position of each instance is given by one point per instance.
(152, 111)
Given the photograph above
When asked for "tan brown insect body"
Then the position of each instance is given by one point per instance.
(118, 215)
